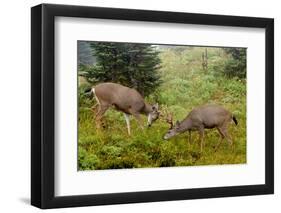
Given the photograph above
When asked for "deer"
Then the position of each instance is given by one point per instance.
(123, 99)
(204, 117)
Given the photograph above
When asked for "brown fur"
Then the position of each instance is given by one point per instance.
(124, 99)
(205, 117)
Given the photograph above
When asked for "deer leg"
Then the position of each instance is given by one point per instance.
(189, 139)
(222, 137)
(138, 118)
(127, 118)
(201, 134)
(228, 138)
(96, 111)
(100, 113)
(224, 134)
(93, 108)
(97, 104)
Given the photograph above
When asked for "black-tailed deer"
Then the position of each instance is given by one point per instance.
(204, 117)
(124, 99)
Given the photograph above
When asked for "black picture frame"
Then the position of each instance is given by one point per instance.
(43, 102)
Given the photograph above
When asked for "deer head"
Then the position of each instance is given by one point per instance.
(154, 114)
(175, 130)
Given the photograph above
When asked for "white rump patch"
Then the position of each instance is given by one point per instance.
(94, 92)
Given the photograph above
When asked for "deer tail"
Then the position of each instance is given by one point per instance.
(235, 120)
(93, 92)
(88, 91)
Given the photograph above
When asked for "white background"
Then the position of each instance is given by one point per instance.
(69, 30)
(15, 106)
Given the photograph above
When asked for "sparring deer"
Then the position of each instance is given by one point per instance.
(204, 117)
(123, 99)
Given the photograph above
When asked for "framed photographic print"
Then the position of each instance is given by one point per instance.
(139, 106)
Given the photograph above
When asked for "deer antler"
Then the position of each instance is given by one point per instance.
(167, 117)
(169, 120)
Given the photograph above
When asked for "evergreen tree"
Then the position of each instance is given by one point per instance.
(132, 65)
(236, 66)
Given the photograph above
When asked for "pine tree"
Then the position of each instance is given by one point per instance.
(236, 66)
(132, 65)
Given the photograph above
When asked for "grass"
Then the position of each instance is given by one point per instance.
(185, 86)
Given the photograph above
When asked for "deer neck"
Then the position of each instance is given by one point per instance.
(186, 125)
(147, 109)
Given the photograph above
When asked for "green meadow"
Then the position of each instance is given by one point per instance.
(185, 85)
